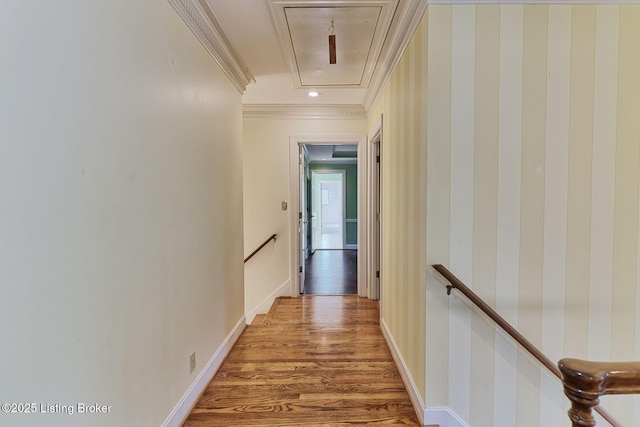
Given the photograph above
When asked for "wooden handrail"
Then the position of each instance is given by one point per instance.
(585, 381)
(455, 283)
(272, 237)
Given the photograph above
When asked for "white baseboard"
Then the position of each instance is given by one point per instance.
(190, 398)
(443, 416)
(412, 389)
(283, 290)
(437, 415)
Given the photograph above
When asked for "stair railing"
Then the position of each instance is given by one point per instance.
(272, 237)
(455, 283)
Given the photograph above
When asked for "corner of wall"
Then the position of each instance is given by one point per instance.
(265, 305)
(412, 388)
(190, 398)
(442, 416)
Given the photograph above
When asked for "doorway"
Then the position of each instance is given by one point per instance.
(327, 205)
(331, 268)
(374, 212)
(348, 233)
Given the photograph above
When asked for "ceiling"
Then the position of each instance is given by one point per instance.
(284, 44)
(319, 153)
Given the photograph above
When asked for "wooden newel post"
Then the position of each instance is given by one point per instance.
(583, 392)
(584, 382)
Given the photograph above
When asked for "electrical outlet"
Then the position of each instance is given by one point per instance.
(192, 362)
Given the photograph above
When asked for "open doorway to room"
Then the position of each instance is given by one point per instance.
(326, 203)
(335, 154)
(332, 204)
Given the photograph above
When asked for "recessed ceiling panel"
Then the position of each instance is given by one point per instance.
(354, 29)
(332, 153)
(360, 28)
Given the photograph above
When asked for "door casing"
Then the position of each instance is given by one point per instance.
(320, 172)
(374, 224)
(294, 181)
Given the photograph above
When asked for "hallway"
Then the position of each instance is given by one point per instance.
(332, 272)
(314, 360)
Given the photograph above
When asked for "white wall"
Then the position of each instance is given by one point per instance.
(266, 185)
(120, 209)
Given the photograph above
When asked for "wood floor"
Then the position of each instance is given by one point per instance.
(313, 361)
(331, 272)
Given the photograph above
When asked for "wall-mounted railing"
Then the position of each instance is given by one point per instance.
(265, 243)
(585, 381)
(455, 283)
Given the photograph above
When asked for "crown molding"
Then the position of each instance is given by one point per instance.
(409, 13)
(335, 162)
(283, 32)
(290, 111)
(205, 26)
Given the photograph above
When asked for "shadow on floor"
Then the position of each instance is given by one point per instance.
(332, 272)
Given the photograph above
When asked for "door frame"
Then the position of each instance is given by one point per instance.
(343, 225)
(302, 219)
(374, 218)
(295, 142)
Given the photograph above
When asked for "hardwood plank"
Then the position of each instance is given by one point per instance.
(313, 361)
(257, 320)
(332, 272)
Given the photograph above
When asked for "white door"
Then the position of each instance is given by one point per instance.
(374, 255)
(377, 229)
(302, 221)
(313, 221)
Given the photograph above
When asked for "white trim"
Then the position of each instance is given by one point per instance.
(533, 1)
(369, 177)
(343, 173)
(292, 111)
(436, 415)
(351, 246)
(363, 197)
(281, 26)
(443, 416)
(294, 194)
(264, 306)
(338, 161)
(408, 16)
(412, 389)
(190, 398)
(205, 26)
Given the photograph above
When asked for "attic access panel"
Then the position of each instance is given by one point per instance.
(354, 31)
(360, 29)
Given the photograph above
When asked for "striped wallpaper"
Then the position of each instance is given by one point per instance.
(530, 118)
(403, 204)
